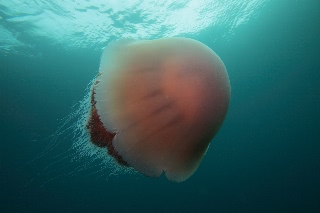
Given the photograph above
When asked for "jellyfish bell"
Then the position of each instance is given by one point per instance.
(157, 104)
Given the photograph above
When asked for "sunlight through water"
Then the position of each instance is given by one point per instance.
(92, 24)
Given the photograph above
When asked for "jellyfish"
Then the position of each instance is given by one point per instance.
(155, 105)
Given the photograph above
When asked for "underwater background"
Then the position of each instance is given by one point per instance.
(265, 158)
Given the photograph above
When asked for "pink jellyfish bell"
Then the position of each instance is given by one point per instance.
(156, 105)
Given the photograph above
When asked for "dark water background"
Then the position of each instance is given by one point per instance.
(266, 157)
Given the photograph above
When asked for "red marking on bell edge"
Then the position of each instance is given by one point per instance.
(99, 136)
